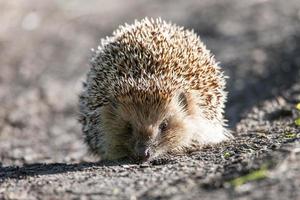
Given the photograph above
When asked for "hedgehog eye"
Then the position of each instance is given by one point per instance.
(128, 129)
(163, 126)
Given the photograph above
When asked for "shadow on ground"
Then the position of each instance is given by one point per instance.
(37, 169)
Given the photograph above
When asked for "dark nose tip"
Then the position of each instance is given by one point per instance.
(143, 153)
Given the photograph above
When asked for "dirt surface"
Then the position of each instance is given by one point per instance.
(44, 52)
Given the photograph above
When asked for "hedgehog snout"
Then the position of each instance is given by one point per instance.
(142, 151)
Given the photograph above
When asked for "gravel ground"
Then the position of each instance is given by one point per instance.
(43, 59)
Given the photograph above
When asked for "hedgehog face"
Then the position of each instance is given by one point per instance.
(147, 130)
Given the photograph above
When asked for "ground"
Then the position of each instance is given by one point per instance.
(44, 57)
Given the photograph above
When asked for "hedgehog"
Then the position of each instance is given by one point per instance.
(153, 89)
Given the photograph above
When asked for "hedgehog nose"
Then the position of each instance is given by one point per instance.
(143, 152)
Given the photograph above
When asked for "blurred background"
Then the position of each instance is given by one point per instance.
(45, 48)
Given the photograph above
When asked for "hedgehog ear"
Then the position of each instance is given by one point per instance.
(182, 99)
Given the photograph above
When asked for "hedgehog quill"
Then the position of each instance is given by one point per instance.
(153, 89)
